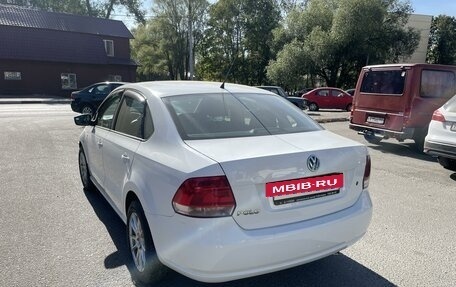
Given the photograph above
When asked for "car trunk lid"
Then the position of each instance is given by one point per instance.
(253, 163)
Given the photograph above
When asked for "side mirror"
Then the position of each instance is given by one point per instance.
(84, 120)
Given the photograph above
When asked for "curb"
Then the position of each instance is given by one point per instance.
(35, 101)
(331, 120)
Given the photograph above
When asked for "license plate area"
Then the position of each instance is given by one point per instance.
(289, 191)
(375, 120)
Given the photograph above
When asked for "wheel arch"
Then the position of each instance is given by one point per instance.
(130, 197)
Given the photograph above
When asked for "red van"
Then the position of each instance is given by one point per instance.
(397, 100)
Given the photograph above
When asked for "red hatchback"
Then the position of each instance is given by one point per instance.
(328, 98)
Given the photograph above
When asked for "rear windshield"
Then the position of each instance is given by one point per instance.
(384, 82)
(437, 84)
(209, 116)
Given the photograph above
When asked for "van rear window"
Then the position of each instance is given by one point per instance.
(437, 84)
(384, 82)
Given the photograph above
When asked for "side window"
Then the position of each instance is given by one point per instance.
(107, 110)
(148, 123)
(323, 93)
(336, 93)
(131, 116)
(101, 90)
(437, 84)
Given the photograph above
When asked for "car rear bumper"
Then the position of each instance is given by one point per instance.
(440, 149)
(75, 106)
(218, 250)
(406, 133)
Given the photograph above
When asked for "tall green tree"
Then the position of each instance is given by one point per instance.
(94, 8)
(161, 46)
(442, 40)
(333, 39)
(239, 36)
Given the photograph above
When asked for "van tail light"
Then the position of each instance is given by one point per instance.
(438, 116)
(205, 197)
(367, 172)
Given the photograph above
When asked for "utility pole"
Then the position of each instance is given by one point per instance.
(190, 40)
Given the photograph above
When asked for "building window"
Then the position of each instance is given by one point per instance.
(109, 47)
(11, 76)
(68, 81)
(115, 78)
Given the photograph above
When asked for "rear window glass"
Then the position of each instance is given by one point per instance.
(209, 116)
(437, 84)
(384, 82)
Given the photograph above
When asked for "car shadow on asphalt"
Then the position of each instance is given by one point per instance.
(336, 270)
(116, 229)
(401, 149)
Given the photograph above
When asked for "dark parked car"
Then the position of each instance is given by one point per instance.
(87, 100)
(328, 98)
(303, 91)
(297, 101)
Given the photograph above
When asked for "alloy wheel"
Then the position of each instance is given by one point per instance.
(137, 242)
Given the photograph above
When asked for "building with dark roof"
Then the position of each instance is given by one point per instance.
(56, 53)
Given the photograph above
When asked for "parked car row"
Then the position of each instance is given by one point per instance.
(297, 101)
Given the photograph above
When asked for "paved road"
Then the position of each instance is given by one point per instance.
(54, 234)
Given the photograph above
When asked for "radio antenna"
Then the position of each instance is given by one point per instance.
(222, 86)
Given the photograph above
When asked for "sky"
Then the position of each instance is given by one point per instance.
(434, 7)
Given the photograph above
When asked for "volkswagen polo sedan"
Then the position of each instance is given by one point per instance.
(221, 181)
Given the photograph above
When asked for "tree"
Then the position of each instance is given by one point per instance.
(161, 46)
(94, 8)
(442, 40)
(337, 37)
(239, 36)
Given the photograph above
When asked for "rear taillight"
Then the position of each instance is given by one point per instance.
(438, 116)
(367, 172)
(205, 197)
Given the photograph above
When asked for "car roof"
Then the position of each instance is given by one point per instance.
(173, 88)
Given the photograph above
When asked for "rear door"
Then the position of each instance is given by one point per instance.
(383, 98)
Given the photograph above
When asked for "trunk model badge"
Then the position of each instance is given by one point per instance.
(313, 163)
(248, 212)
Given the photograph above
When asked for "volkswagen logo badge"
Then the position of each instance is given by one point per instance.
(313, 163)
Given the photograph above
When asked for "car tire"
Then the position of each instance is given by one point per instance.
(145, 266)
(87, 110)
(447, 163)
(348, 108)
(84, 172)
(372, 139)
(313, 107)
(419, 138)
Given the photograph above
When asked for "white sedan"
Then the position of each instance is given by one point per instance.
(441, 138)
(221, 181)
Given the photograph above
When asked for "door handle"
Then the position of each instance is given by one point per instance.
(125, 157)
(100, 143)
